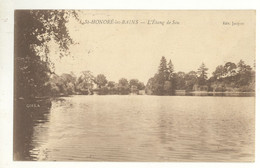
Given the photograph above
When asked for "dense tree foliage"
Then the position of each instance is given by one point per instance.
(64, 84)
(33, 30)
(202, 74)
(123, 86)
(88, 84)
(219, 72)
(228, 77)
(190, 80)
(101, 80)
(163, 82)
(233, 77)
(85, 83)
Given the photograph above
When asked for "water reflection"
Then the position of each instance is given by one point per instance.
(137, 128)
(218, 94)
(27, 115)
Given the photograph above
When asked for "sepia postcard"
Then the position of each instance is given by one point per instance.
(134, 85)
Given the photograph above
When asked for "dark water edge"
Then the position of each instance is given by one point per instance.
(27, 113)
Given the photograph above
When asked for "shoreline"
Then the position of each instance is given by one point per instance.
(216, 92)
(184, 93)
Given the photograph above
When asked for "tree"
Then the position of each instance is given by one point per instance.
(101, 80)
(112, 87)
(163, 82)
(170, 70)
(161, 77)
(133, 82)
(69, 81)
(155, 86)
(111, 84)
(163, 65)
(202, 73)
(123, 82)
(242, 67)
(190, 80)
(85, 82)
(180, 81)
(219, 72)
(140, 86)
(55, 85)
(244, 74)
(123, 86)
(167, 87)
(149, 86)
(171, 78)
(33, 30)
(136, 85)
(162, 70)
(230, 69)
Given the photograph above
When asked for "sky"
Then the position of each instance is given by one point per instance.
(134, 50)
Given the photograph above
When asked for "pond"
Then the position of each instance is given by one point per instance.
(139, 128)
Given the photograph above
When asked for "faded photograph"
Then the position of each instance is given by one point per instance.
(134, 85)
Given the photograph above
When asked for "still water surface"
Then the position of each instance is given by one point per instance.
(145, 128)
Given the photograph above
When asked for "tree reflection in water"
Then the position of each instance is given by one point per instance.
(27, 114)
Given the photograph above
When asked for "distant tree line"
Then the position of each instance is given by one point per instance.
(231, 77)
(88, 84)
(35, 77)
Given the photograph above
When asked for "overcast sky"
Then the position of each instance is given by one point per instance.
(134, 51)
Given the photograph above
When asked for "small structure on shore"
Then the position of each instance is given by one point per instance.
(180, 92)
(197, 87)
